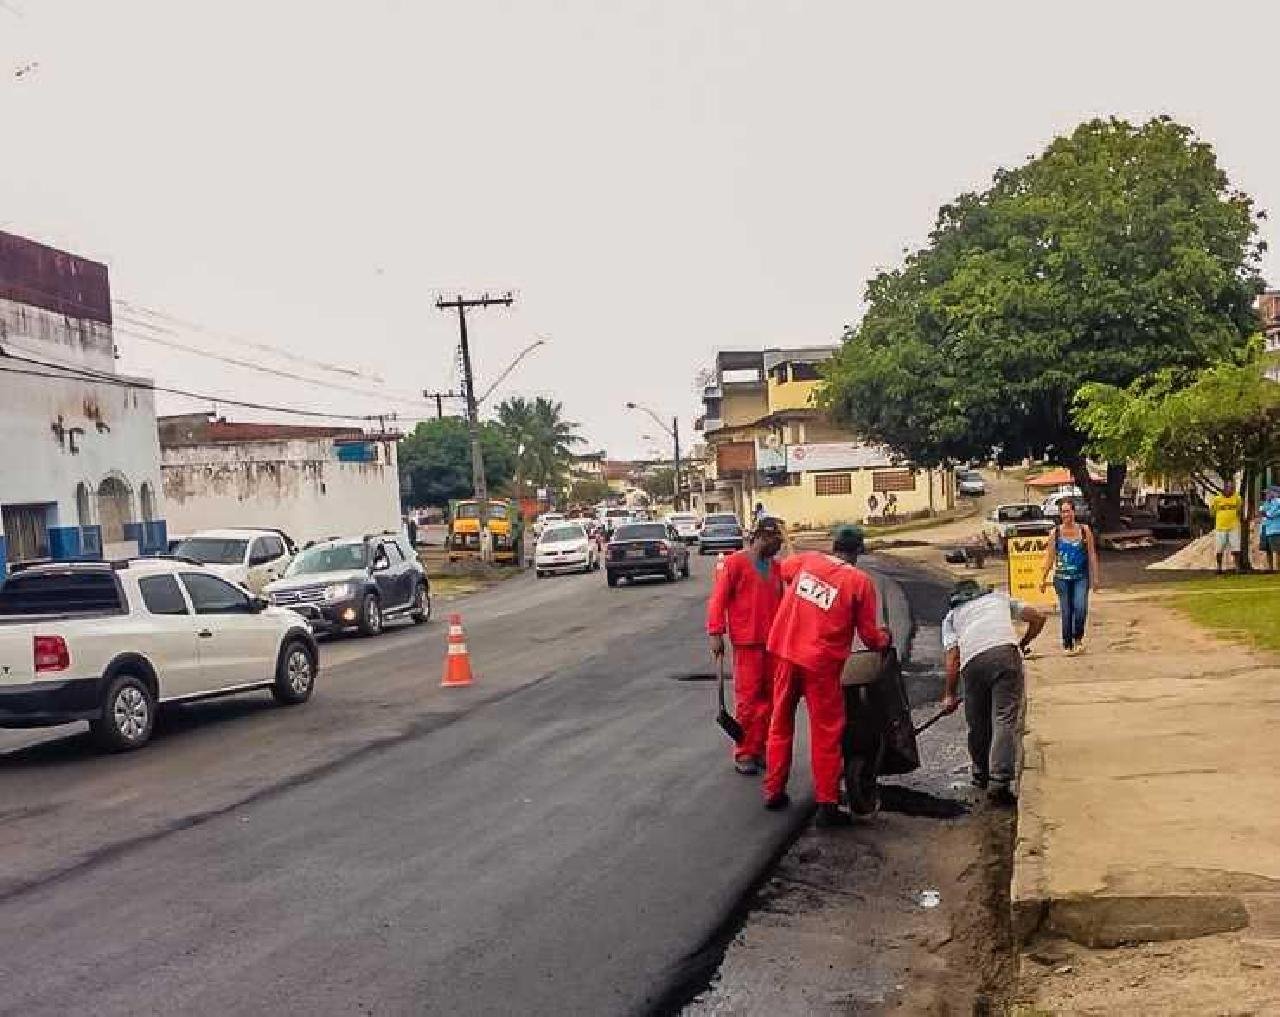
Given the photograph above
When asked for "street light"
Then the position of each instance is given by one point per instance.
(674, 433)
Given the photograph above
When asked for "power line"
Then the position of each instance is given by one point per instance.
(88, 374)
(262, 347)
(249, 365)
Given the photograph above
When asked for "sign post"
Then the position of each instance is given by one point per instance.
(1026, 566)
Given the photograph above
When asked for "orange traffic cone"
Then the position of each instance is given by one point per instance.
(457, 661)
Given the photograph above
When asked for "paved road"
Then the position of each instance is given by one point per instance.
(554, 839)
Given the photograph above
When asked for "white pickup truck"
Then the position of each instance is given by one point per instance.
(108, 642)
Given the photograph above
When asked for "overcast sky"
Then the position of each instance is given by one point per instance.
(653, 180)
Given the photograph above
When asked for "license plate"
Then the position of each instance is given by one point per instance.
(635, 552)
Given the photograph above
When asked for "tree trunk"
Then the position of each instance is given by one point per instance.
(1103, 499)
(1248, 498)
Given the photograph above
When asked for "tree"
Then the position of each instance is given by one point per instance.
(435, 461)
(548, 440)
(659, 483)
(1225, 423)
(1116, 253)
(588, 491)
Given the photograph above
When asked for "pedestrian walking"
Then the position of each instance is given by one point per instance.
(982, 649)
(1269, 526)
(1226, 524)
(743, 602)
(826, 600)
(759, 513)
(1072, 559)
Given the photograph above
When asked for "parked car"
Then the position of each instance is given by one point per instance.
(970, 483)
(566, 547)
(1170, 514)
(645, 549)
(1020, 519)
(1050, 506)
(251, 558)
(715, 537)
(687, 524)
(721, 519)
(355, 582)
(109, 642)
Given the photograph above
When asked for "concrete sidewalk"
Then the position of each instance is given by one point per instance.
(1150, 812)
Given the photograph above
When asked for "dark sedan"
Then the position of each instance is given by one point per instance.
(720, 537)
(645, 549)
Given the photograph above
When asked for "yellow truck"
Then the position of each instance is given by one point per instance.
(504, 527)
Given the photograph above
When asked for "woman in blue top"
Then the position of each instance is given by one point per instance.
(1072, 559)
(1269, 527)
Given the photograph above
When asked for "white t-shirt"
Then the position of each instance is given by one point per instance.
(980, 625)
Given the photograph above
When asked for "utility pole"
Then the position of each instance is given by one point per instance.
(440, 397)
(478, 483)
(675, 435)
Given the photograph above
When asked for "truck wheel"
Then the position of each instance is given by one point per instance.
(684, 569)
(295, 674)
(671, 573)
(421, 605)
(370, 620)
(612, 578)
(128, 715)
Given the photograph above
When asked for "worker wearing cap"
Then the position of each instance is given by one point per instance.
(743, 601)
(826, 601)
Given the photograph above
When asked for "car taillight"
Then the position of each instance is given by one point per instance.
(51, 653)
(664, 548)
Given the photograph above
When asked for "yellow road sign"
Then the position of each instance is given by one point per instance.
(1026, 566)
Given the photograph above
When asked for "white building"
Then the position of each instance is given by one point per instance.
(79, 459)
(311, 482)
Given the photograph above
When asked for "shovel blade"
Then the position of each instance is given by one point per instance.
(729, 724)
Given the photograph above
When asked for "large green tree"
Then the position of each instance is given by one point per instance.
(435, 461)
(546, 439)
(1119, 251)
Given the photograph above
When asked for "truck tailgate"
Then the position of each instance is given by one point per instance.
(17, 661)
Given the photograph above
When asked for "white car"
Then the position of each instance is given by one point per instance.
(565, 547)
(687, 524)
(1052, 506)
(251, 558)
(545, 520)
(108, 642)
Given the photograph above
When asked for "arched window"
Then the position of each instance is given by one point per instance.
(148, 502)
(115, 508)
(84, 505)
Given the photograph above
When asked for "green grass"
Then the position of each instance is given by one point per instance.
(1243, 607)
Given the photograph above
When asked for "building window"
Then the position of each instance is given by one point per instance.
(115, 508)
(833, 483)
(805, 372)
(893, 480)
(147, 502)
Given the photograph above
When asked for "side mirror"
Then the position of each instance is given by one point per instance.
(381, 565)
(258, 604)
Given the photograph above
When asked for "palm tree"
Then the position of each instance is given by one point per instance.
(547, 440)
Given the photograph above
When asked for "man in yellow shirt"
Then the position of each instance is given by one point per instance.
(1226, 523)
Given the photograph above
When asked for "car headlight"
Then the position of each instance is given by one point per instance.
(338, 591)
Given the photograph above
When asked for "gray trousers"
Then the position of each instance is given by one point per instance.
(994, 694)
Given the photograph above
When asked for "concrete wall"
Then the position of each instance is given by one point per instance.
(57, 433)
(299, 486)
(802, 506)
(743, 405)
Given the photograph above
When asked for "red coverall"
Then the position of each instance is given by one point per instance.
(826, 600)
(747, 602)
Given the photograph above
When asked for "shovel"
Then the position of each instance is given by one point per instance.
(934, 719)
(728, 723)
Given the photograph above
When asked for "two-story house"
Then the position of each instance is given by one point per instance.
(771, 443)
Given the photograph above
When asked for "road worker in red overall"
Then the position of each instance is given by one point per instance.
(826, 600)
(743, 601)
